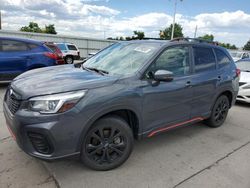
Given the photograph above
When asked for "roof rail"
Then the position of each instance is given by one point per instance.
(198, 40)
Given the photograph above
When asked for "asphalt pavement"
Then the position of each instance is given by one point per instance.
(188, 157)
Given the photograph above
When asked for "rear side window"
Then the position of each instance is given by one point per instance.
(62, 46)
(204, 59)
(72, 47)
(13, 46)
(32, 46)
(52, 47)
(222, 58)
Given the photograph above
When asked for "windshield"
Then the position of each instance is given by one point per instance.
(236, 54)
(243, 65)
(122, 58)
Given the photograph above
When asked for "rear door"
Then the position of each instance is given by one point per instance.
(13, 58)
(204, 80)
(225, 67)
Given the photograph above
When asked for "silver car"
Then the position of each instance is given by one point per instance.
(244, 90)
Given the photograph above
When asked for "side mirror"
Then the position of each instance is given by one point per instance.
(164, 76)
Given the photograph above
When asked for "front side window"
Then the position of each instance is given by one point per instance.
(175, 59)
(204, 59)
(123, 58)
(222, 58)
(13, 46)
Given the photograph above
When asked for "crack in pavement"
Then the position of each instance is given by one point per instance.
(3, 139)
(212, 165)
(47, 180)
(52, 174)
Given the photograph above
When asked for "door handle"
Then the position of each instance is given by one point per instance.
(188, 84)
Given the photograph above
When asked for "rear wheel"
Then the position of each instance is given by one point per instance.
(107, 144)
(219, 112)
(69, 60)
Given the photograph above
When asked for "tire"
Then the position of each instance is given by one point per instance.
(219, 112)
(107, 144)
(69, 60)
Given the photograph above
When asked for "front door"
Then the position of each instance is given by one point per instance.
(166, 103)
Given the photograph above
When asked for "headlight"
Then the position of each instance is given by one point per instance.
(56, 103)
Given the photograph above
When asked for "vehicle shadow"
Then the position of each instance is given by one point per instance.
(242, 104)
(147, 146)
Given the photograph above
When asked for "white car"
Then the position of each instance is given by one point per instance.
(238, 55)
(244, 90)
(70, 52)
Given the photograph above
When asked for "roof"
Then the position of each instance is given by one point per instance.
(22, 40)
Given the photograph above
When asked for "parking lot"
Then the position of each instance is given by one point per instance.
(193, 156)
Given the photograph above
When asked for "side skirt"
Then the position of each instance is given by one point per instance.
(169, 127)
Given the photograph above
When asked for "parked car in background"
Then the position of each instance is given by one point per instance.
(238, 55)
(20, 55)
(57, 51)
(244, 91)
(70, 52)
(130, 90)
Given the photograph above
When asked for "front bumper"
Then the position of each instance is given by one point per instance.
(61, 131)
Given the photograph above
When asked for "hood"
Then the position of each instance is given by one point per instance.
(245, 77)
(58, 79)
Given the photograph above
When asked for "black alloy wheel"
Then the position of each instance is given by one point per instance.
(108, 144)
(219, 112)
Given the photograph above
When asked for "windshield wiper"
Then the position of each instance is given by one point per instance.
(100, 71)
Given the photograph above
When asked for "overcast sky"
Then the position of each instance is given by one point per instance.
(227, 20)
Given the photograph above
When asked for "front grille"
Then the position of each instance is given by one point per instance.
(241, 83)
(12, 101)
(40, 143)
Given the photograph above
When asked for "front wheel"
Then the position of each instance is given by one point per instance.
(219, 112)
(107, 144)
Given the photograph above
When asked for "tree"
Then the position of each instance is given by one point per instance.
(207, 37)
(50, 29)
(34, 27)
(166, 33)
(247, 46)
(139, 35)
(228, 46)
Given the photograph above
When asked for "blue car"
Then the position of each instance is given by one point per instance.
(20, 55)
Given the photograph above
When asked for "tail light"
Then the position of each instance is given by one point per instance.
(58, 57)
(51, 55)
(238, 72)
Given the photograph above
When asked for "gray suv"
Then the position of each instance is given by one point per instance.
(130, 90)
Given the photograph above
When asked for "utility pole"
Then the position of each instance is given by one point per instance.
(0, 20)
(175, 6)
(195, 32)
